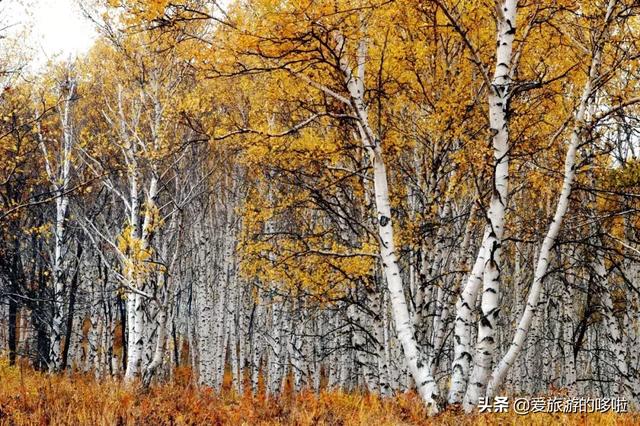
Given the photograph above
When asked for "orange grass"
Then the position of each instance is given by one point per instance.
(32, 398)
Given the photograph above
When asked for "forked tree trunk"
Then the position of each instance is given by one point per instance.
(554, 228)
(499, 95)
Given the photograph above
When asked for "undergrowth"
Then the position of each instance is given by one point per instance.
(28, 397)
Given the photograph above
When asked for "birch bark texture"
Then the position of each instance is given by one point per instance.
(426, 385)
(499, 98)
(561, 208)
(59, 174)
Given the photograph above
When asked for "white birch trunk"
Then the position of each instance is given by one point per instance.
(256, 342)
(554, 228)
(137, 279)
(462, 357)
(204, 310)
(60, 177)
(569, 368)
(158, 354)
(425, 384)
(614, 335)
(499, 94)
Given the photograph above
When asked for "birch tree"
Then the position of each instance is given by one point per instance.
(580, 122)
(57, 152)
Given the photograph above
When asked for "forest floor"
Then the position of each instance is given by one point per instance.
(28, 397)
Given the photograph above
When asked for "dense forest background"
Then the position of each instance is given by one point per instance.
(365, 195)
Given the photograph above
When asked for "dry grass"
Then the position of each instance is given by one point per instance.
(31, 398)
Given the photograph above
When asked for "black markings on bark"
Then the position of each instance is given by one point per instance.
(512, 29)
(490, 340)
(485, 322)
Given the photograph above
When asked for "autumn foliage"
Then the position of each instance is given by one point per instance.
(323, 212)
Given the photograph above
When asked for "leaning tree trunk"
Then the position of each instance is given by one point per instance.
(426, 385)
(554, 228)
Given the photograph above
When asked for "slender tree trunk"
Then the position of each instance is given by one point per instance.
(58, 285)
(614, 334)
(499, 95)
(60, 176)
(462, 357)
(416, 361)
(71, 310)
(569, 368)
(555, 226)
(158, 354)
